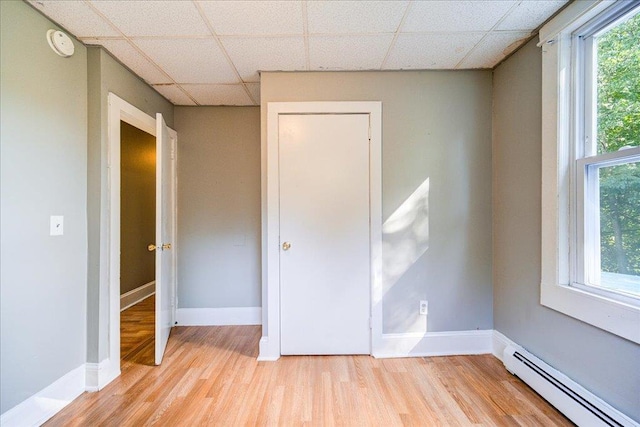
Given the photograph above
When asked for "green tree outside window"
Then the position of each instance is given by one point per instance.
(618, 98)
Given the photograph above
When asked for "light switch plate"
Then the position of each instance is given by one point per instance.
(57, 225)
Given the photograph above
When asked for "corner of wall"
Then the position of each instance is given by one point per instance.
(94, 148)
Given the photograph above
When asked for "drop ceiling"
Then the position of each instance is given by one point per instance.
(211, 52)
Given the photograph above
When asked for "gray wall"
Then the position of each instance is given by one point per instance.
(43, 134)
(436, 126)
(137, 207)
(218, 206)
(603, 363)
(105, 75)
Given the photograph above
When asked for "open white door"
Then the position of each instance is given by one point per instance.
(165, 274)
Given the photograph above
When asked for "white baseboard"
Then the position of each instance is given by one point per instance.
(136, 295)
(219, 316)
(500, 342)
(414, 345)
(435, 344)
(100, 374)
(268, 353)
(47, 402)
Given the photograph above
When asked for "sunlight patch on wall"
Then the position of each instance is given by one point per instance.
(405, 236)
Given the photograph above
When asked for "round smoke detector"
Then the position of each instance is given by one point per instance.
(60, 43)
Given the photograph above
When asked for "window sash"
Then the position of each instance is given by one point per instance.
(587, 236)
(585, 253)
(585, 66)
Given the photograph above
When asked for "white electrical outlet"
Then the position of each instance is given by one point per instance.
(424, 307)
(56, 227)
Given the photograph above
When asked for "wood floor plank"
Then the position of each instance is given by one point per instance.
(210, 376)
(137, 329)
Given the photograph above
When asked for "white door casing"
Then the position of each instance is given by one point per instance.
(270, 341)
(324, 234)
(165, 275)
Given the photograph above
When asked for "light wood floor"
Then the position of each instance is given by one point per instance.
(137, 333)
(210, 376)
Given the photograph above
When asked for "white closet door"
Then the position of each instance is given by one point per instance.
(324, 233)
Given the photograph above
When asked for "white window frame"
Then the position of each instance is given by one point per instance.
(563, 237)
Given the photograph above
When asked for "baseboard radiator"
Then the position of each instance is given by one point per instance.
(574, 401)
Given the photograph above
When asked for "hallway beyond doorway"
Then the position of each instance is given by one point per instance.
(137, 342)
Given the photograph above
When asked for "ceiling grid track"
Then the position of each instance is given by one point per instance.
(397, 33)
(305, 34)
(487, 34)
(136, 48)
(224, 51)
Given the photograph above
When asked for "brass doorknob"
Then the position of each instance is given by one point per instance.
(166, 246)
(151, 247)
(286, 246)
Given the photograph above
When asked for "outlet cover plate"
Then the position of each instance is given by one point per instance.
(424, 307)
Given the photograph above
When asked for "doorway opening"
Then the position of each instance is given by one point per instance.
(137, 232)
(163, 245)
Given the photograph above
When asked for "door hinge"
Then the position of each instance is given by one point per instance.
(369, 131)
(173, 154)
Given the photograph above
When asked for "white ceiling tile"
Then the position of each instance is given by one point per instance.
(133, 59)
(254, 88)
(253, 54)
(528, 15)
(454, 16)
(348, 52)
(189, 60)
(494, 48)
(219, 94)
(174, 94)
(154, 18)
(77, 17)
(267, 35)
(254, 17)
(430, 51)
(350, 17)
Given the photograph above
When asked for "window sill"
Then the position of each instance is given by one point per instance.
(613, 316)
